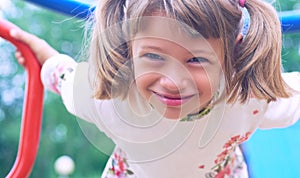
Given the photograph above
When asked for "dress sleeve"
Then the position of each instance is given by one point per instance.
(62, 75)
(285, 111)
(56, 70)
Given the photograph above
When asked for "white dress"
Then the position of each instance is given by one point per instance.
(150, 146)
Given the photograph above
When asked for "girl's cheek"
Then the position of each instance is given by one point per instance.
(207, 83)
(142, 84)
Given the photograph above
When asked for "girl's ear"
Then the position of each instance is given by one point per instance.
(239, 39)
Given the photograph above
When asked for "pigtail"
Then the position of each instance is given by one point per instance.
(257, 58)
(109, 50)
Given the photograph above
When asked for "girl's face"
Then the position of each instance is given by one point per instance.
(175, 73)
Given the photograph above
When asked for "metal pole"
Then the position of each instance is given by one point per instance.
(290, 20)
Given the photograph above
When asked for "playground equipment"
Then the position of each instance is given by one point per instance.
(290, 20)
(68, 7)
(31, 119)
(32, 111)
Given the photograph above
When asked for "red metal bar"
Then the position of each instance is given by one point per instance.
(32, 108)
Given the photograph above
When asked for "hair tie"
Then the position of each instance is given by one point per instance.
(242, 3)
(246, 22)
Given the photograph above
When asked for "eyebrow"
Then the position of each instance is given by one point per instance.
(149, 47)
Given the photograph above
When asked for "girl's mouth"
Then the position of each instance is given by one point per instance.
(172, 100)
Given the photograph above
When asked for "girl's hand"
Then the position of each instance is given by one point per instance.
(39, 47)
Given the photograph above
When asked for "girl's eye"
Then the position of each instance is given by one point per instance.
(153, 56)
(197, 60)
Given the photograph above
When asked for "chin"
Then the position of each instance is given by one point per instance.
(172, 117)
(174, 113)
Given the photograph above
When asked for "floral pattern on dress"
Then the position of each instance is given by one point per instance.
(59, 75)
(228, 162)
(119, 166)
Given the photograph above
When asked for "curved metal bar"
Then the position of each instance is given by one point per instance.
(32, 108)
(290, 20)
(67, 7)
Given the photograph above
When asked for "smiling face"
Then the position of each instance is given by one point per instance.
(177, 74)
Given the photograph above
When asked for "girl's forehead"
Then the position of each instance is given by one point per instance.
(198, 14)
(160, 26)
(157, 26)
(168, 29)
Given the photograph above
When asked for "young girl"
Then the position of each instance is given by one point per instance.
(177, 85)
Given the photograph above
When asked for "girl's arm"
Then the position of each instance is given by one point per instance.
(58, 75)
(39, 47)
(55, 69)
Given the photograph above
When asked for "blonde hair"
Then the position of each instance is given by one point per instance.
(252, 67)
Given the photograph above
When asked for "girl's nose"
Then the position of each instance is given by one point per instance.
(173, 84)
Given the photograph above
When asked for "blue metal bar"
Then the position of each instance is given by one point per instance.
(67, 7)
(290, 20)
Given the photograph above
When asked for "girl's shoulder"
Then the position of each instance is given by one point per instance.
(292, 79)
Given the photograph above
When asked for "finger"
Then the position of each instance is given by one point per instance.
(21, 61)
(18, 54)
(20, 58)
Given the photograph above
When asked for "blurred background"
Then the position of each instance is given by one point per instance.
(61, 133)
